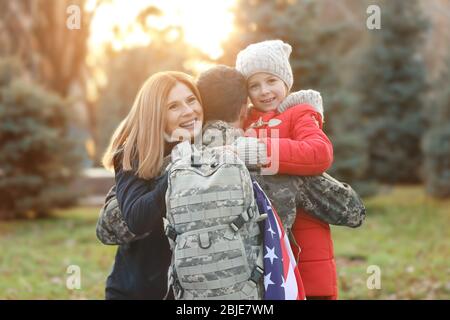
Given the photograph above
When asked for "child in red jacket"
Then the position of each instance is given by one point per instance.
(296, 145)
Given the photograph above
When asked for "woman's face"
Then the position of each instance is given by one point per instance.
(184, 114)
(266, 91)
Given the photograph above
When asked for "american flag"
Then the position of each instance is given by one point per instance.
(282, 279)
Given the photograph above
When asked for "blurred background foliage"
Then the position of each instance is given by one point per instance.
(386, 96)
(38, 156)
(386, 92)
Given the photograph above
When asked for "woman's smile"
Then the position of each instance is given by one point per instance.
(184, 114)
(189, 124)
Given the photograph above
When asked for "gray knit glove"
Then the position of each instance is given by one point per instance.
(252, 151)
(309, 96)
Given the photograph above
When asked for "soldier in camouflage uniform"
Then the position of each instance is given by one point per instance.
(321, 196)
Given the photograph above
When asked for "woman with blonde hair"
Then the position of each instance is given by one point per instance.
(167, 109)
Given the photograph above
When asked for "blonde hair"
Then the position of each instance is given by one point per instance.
(140, 136)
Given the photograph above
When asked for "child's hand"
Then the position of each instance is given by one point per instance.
(309, 96)
(252, 151)
(226, 147)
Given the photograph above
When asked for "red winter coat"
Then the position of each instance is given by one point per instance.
(304, 150)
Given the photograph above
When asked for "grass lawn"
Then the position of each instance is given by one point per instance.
(35, 256)
(406, 235)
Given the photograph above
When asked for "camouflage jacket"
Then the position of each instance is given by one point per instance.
(323, 197)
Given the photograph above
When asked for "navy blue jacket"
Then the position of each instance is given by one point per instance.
(140, 267)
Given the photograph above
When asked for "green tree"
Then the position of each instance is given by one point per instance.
(36, 31)
(317, 51)
(436, 143)
(295, 22)
(37, 159)
(53, 54)
(392, 83)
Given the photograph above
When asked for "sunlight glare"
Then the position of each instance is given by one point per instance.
(205, 23)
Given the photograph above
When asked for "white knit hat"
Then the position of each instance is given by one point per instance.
(271, 56)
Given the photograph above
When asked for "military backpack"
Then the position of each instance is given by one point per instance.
(212, 225)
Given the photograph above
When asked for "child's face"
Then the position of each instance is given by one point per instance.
(266, 91)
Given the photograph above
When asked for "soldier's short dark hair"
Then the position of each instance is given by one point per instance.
(223, 91)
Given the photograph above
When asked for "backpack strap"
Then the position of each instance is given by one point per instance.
(175, 284)
(195, 157)
(255, 277)
(246, 216)
(170, 232)
(237, 223)
(258, 270)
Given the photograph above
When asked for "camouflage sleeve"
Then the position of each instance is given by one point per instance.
(331, 201)
(111, 226)
(323, 197)
(279, 189)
